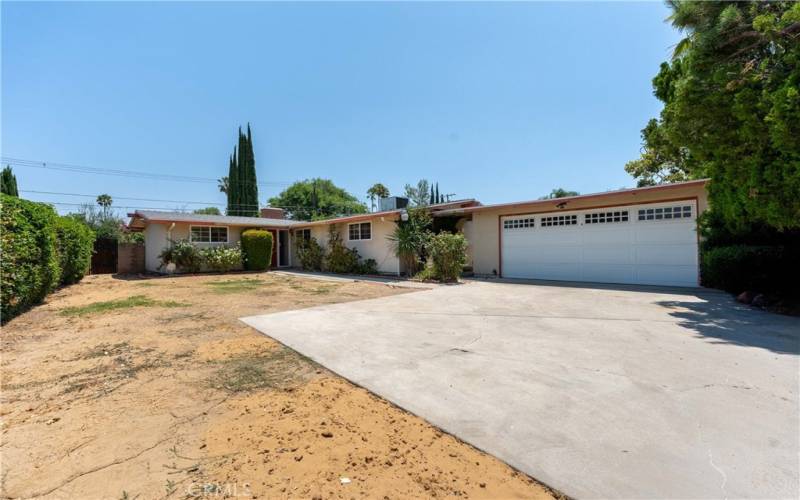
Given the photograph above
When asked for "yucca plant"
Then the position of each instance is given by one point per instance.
(410, 239)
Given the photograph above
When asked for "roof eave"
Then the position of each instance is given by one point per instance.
(631, 191)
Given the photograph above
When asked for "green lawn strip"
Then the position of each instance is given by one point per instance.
(112, 305)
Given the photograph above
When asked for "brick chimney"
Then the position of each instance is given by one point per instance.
(272, 213)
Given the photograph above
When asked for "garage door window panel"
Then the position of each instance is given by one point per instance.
(559, 220)
(665, 213)
(524, 223)
(606, 217)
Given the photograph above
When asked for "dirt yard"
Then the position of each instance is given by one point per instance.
(151, 388)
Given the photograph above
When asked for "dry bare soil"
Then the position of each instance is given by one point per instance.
(151, 388)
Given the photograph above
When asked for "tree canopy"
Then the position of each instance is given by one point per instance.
(8, 182)
(378, 191)
(314, 199)
(418, 195)
(208, 211)
(731, 97)
(559, 193)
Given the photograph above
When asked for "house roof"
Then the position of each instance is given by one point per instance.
(141, 217)
(592, 196)
(387, 213)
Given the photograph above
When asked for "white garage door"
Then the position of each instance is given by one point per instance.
(653, 244)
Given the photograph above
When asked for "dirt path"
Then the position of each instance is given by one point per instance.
(153, 389)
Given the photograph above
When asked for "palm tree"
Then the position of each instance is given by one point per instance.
(222, 184)
(377, 191)
(105, 201)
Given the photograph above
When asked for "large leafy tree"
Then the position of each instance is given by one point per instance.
(418, 195)
(241, 185)
(8, 182)
(314, 199)
(731, 111)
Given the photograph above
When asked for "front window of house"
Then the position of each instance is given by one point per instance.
(208, 234)
(359, 231)
(303, 234)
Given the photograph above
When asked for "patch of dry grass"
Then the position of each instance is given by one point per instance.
(112, 305)
(278, 369)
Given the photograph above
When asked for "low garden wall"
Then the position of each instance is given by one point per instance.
(130, 258)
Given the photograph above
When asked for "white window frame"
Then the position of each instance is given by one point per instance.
(349, 235)
(209, 242)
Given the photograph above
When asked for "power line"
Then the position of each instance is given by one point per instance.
(67, 167)
(155, 200)
(131, 199)
(132, 207)
(114, 197)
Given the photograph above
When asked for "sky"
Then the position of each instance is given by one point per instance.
(496, 101)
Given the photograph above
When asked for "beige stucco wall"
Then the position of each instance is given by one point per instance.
(378, 248)
(157, 235)
(484, 235)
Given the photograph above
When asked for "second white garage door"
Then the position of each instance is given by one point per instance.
(653, 244)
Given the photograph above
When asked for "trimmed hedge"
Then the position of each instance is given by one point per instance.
(30, 264)
(75, 243)
(257, 249)
(737, 268)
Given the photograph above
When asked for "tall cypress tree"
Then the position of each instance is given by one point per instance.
(251, 186)
(233, 185)
(242, 184)
(438, 199)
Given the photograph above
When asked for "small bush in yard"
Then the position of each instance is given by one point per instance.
(738, 268)
(310, 254)
(257, 249)
(183, 254)
(75, 243)
(368, 266)
(222, 258)
(448, 253)
(29, 263)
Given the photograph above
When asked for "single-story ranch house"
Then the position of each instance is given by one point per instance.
(637, 236)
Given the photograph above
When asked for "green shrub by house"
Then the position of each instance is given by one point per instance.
(29, 263)
(222, 259)
(310, 254)
(738, 268)
(75, 243)
(448, 253)
(339, 258)
(186, 257)
(257, 249)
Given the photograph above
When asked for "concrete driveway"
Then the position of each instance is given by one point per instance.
(604, 392)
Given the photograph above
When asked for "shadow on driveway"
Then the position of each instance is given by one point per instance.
(720, 317)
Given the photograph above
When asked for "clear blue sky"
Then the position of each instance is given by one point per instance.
(501, 102)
